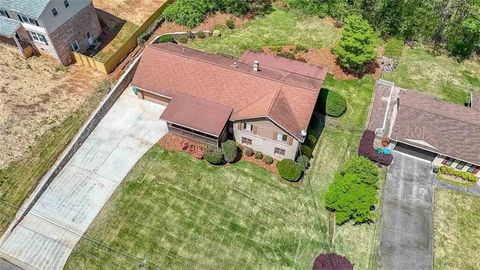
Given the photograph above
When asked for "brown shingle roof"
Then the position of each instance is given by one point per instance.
(171, 70)
(476, 101)
(450, 129)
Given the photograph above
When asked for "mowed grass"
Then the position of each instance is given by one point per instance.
(181, 213)
(457, 230)
(280, 27)
(440, 76)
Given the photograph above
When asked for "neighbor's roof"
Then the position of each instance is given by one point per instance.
(33, 8)
(476, 101)
(197, 113)
(8, 27)
(286, 98)
(449, 129)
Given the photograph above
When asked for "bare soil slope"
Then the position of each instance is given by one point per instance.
(135, 11)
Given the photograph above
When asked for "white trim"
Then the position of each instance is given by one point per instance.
(269, 118)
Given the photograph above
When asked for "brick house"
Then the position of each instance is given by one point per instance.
(428, 128)
(53, 27)
(261, 101)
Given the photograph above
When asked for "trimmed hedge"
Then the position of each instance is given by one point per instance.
(306, 151)
(335, 105)
(289, 170)
(303, 161)
(249, 152)
(258, 155)
(230, 151)
(366, 149)
(214, 155)
(166, 39)
(462, 174)
(268, 160)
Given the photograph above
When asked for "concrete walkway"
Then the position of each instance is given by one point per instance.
(48, 233)
(407, 216)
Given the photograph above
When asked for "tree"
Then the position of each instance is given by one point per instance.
(357, 44)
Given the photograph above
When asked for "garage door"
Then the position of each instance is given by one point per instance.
(154, 98)
(414, 151)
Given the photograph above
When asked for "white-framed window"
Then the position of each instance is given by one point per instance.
(66, 3)
(40, 38)
(247, 127)
(282, 137)
(74, 46)
(473, 169)
(4, 13)
(54, 12)
(460, 165)
(29, 20)
(279, 151)
(246, 141)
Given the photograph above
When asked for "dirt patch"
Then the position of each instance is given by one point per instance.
(135, 11)
(324, 57)
(36, 95)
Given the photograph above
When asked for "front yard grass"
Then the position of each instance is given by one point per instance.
(280, 27)
(440, 76)
(457, 230)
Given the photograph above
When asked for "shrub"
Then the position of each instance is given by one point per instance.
(249, 152)
(311, 140)
(333, 104)
(182, 39)
(268, 160)
(214, 155)
(332, 261)
(366, 149)
(276, 49)
(288, 55)
(230, 151)
(306, 150)
(230, 24)
(216, 33)
(189, 13)
(394, 48)
(303, 161)
(166, 39)
(289, 170)
(258, 155)
(364, 168)
(300, 48)
(462, 174)
(201, 34)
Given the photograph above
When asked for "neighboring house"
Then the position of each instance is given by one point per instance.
(423, 126)
(54, 27)
(265, 105)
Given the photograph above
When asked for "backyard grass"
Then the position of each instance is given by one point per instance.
(440, 76)
(280, 27)
(457, 230)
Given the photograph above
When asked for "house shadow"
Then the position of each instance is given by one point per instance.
(111, 26)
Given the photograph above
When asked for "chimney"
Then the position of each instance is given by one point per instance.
(256, 65)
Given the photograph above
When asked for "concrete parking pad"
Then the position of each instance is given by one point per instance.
(407, 228)
(46, 236)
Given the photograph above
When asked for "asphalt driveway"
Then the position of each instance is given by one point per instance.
(407, 219)
(46, 236)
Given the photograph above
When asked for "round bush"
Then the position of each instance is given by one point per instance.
(258, 155)
(303, 161)
(183, 39)
(214, 155)
(333, 103)
(201, 34)
(249, 152)
(166, 39)
(268, 160)
(216, 33)
(289, 170)
(332, 261)
(230, 151)
(306, 150)
(311, 140)
(230, 24)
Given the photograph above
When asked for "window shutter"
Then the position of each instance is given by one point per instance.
(290, 140)
(274, 136)
(254, 129)
(239, 125)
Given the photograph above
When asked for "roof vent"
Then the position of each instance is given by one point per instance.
(234, 64)
(303, 133)
(256, 65)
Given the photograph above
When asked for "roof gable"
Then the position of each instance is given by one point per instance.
(33, 8)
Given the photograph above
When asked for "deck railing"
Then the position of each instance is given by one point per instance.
(195, 136)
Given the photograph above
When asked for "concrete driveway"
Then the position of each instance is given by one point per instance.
(48, 233)
(407, 228)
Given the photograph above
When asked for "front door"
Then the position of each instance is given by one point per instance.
(89, 38)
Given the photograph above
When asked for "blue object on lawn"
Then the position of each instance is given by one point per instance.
(387, 151)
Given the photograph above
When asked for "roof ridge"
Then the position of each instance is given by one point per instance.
(270, 106)
(224, 67)
(251, 104)
(446, 116)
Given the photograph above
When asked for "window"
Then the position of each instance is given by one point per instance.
(474, 169)
(4, 13)
(279, 151)
(246, 141)
(282, 137)
(447, 162)
(247, 127)
(54, 11)
(460, 165)
(29, 20)
(38, 37)
(66, 3)
(74, 46)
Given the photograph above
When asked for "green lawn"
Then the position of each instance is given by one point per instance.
(277, 28)
(436, 75)
(18, 180)
(457, 230)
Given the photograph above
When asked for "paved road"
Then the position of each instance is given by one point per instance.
(4, 265)
(407, 228)
(45, 238)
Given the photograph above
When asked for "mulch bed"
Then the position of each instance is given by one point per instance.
(173, 142)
